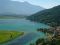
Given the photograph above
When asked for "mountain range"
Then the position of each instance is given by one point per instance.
(47, 16)
(19, 8)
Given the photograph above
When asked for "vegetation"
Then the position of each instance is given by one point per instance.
(6, 36)
(52, 18)
(48, 16)
(11, 16)
(52, 36)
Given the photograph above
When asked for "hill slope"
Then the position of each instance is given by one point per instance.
(49, 16)
(20, 8)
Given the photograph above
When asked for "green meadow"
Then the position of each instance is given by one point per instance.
(6, 36)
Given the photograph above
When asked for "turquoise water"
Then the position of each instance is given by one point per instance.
(23, 25)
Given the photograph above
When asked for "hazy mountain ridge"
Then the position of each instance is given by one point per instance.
(49, 16)
(22, 8)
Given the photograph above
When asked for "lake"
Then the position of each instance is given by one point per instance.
(23, 25)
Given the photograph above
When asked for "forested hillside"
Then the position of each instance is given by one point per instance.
(48, 16)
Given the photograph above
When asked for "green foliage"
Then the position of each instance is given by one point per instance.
(48, 16)
(6, 36)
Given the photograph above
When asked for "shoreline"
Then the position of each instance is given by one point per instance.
(11, 39)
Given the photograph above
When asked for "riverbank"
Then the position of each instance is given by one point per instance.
(52, 36)
(6, 36)
(21, 25)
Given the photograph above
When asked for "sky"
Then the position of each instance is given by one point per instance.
(43, 3)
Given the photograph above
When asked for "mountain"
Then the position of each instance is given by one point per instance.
(48, 16)
(19, 8)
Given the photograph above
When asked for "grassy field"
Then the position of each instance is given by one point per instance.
(12, 17)
(7, 17)
(6, 36)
